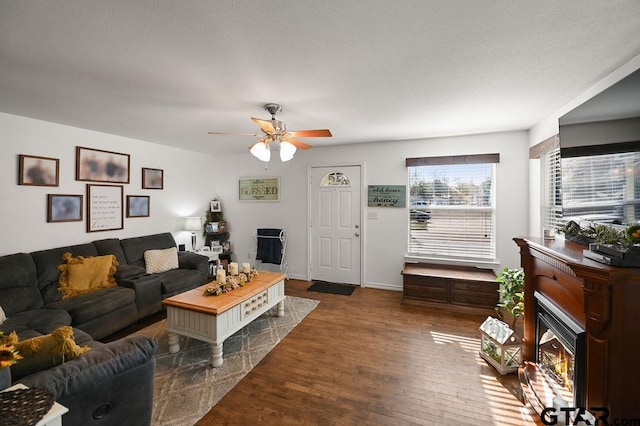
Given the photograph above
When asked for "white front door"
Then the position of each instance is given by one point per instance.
(334, 221)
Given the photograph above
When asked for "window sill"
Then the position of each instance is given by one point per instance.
(483, 264)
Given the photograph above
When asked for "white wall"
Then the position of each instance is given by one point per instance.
(189, 184)
(385, 239)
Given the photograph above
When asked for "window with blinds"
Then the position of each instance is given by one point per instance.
(602, 188)
(452, 207)
(552, 189)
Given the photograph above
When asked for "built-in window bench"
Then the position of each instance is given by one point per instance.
(455, 288)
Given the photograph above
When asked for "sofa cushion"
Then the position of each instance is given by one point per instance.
(135, 247)
(93, 305)
(82, 275)
(18, 284)
(36, 322)
(179, 280)
(129, 271)
(157, 261)
(47, 262)
(40, 353)
(111, 246)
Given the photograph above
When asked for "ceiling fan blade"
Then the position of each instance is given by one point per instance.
(319, 133)
(235, 133)
(297, 143)
(265, 125)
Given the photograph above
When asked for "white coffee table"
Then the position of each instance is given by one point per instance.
(214, 318)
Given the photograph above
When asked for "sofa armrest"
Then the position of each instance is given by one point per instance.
(148, 293)
(188, 260)
(111, 384)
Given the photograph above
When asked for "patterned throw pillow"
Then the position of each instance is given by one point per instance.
(158, 261)
(82, 275)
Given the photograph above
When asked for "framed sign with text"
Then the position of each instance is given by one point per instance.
(104, 208)
(259, 189)
(387, 196)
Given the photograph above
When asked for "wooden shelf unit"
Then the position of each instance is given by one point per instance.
(456, 288)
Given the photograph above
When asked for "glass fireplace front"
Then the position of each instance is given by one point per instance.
(560, 350)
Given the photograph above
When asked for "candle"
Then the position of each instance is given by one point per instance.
(221, 276)
(246, 267)
(233, 268)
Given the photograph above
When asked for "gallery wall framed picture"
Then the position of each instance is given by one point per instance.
(64, 208)
(96, 165)
(104, 207)
(138, 205)
(152, 178)
(38, 171)
(262, 189)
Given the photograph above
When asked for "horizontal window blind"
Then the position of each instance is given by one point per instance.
(552, 189)
(604, 188)
(452, 211)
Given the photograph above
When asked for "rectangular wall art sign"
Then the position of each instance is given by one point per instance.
(387, 196)
(259, 189)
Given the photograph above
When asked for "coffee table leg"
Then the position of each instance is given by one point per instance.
(281, 309)
(174, 346)
(216, 354)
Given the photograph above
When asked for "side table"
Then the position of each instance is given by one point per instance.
(213, 259)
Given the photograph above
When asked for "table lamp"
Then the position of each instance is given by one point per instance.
(192, 224)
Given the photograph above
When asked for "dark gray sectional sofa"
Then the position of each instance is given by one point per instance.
(113, 383)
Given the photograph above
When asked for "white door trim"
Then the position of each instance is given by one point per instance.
(363, 224)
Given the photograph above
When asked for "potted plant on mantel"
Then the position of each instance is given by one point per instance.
(500, 343)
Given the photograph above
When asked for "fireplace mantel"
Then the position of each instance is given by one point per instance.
(605, 300)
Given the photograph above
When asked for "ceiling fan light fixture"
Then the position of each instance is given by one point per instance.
(261, 151)
(287, 149)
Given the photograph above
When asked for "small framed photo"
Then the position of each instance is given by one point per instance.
(138, 205)
(38, 171)
(226, 246)
(215, 206)
(208, 228)
(152, 178)
(64, 208)
(96, 165)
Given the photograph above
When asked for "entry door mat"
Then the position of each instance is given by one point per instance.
(332, 288)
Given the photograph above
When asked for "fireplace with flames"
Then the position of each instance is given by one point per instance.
(560, 351)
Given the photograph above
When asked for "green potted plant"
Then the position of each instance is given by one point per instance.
(511, 292)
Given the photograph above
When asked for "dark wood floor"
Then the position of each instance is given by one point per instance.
(365, 359)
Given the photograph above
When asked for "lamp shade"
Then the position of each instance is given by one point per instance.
(192, 224)
(287, 149)
(261, 151)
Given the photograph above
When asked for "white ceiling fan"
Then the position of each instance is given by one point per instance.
(275, 131)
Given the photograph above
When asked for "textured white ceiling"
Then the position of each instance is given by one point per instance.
(169, 71)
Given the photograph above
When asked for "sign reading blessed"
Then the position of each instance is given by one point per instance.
(387, 196)
(259, 189)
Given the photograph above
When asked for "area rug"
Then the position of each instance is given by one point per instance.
(186, 386)
(333, 288)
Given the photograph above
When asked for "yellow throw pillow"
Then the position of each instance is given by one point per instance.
(82, 275)
(158, 261)
(40, 353)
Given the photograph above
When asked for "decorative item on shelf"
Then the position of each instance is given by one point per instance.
(215, 206)
(500, 346)
(192, 224)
